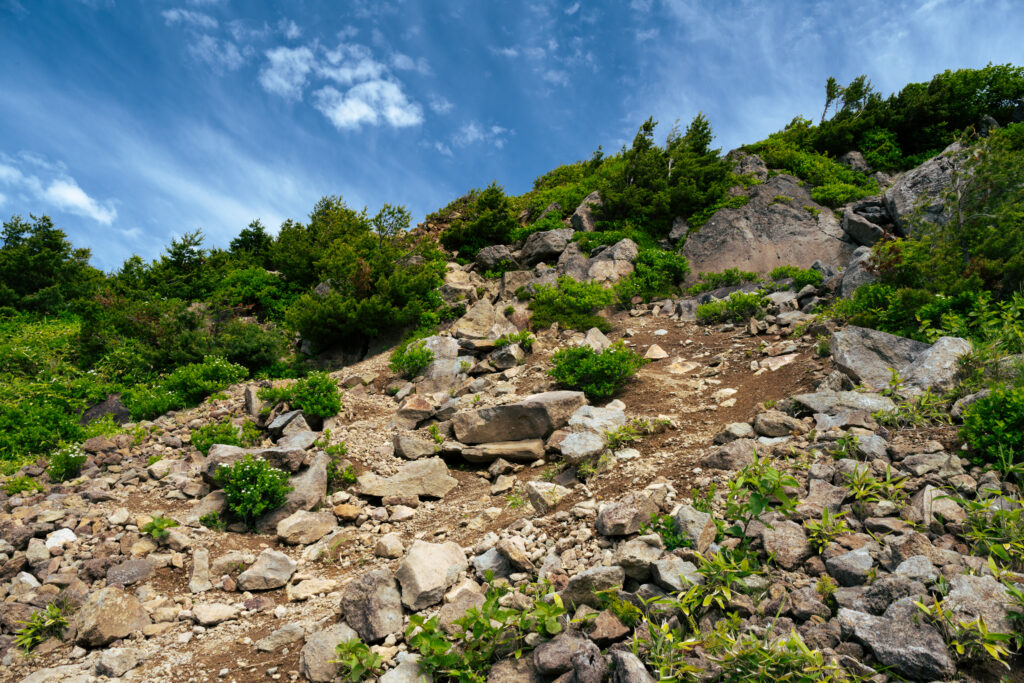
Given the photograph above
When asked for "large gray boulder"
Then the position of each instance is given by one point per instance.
(107, 615)
(489, 257)
(767, 233)
(272, 569)
(836, 402)
(317, 657)
(614, 263)
(860, 230)
(938, 366)
(900, 640)
(573, 263)
(546, 245)
(857, 272)
(427, 477)
(427, 571)
(482, 321)
(919, 192)
(868, 356)
(583, 217)
(744, 163)
(372, 605)
(535, 417)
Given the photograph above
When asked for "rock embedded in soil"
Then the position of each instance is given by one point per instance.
(535, 417)
(107, 615)
(316, 659)
(372, 605)
(426, 478)
(303, 527)
(427, 571)
(272, 569)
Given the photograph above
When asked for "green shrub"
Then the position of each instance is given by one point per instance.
(22, 484)
(995, 422)
(158, 526)
(66, 462)
(598, 375)
(835, 195)
(738, 308)
(212, 520)
(523, 338)
(571, 304)
(731, 277)
(252, 487)
(225, 432)
(316, 395)
(185, 387)
(657, 274)
(489, 220)
(411, 359)
(250, 345)
(801, 276)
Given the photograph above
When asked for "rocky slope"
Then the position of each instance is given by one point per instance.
(518, 482)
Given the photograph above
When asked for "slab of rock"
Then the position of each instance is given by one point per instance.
(130, 572)
(303, 527)
(427, 571)
(971, 597)
(482, 321)
(580, 446)
(214, 613)
(625, 516)
(858, 272)
(426, 478)
(921, 190)
(272, 569)
(372, 605)
(117, 661)
(309, 588)
(613, 263)
(555, 656)
(734, 455)
(628, 668)
(532, 418)
(412, 447)
(674, 574)
(582, 587)
(852, 568)
(286, 635)
(938, 367)
(835, 402)
(317, 655)
(912, 648)
(582, 218)
(107, 615)
(774, 423)
(546, 245)
(785, 540)
(636, 557)
(545, 495)
(868, 356)
(699, 527)
(527, 450)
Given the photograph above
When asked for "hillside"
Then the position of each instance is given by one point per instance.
(670, 415)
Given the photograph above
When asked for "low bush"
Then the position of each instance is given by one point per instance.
(22, 484)
(657, 274)
(250, 345)
(523, 338)
(185, 387)
(571, 304)
(411, 358)
(731, 277)
(738, 308)
(316, 395)
(225, 432)
(801, 276)
(598, 375)
(252, 487)
(66, 463)
(995, 422)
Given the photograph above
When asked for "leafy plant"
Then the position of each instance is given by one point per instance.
(66, 462)
(22, 484)
(571, 304)
(225, 432)
(755, 488)
(357, 661)
(621, 436)
(730, 277)
(738, 307)
(435, 434)
(598, 375)
(158, 526)
(822, 532)
(994, 426)
(665, 526)
(523, 338)
(252, 487)
(411, 359)
(316, 395)
(970, 640)
(42, 624)
(212, 520)
(340, 477)
(865, 488)
(846, 446)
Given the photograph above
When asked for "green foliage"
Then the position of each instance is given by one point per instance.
(657, 274)
(738, 308)
(598, 375)
(822, 532)
(755, 488)
(995, 528)
(624, 610)
(865, 488)
(22, 484)
(995, 423)
(316, 395)
(45, 623)
(339, 477)
(356, 661)
(254, 291)
(731, 277)
(523, 338)
(801, 276)
(665, 526)
(616, 438)
(411, 359)
(212, 520)
(252, 346)
(489, 221)
(571, 304)
(252, 487)
(66, 463)
(484, 634)
(185, 387)
(225, 432)
(969, 640)
(158, 526)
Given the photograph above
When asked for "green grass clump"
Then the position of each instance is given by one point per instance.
(43, 624)
(598, 375)
(801, 276)
(571, 304)
(22, 484)
(523, 338)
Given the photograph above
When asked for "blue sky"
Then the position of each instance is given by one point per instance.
(131, 122)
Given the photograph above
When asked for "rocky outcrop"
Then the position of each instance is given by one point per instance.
(582, 218)
(534, 417)
(919, 193)
(774, 228)
(482, 321)
(870, 356)
(545, 246)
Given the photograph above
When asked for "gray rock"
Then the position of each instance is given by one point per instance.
(966, 402)
(861, 230)
(765, 233)
(805, 603)
(938, 367)
(582, 587)
(971, 597)
(858, 272)
(545, 495)
(674, 574)
(599, 420)
(580, 446)
(303, 527)
(785, 540)
(582, 218)
(407, 671)
(412, 447)
(834, 402)
(507, 357)
(869, 356)
(389, 546)
(427, 477)
(636, 557)
(292, 418)
(489, 257)
(699, 527)
(554, 657)
(625, 516)
(876, 597)
(546, 245)
(528, 450)
(200, 581)
(774, 423)
(211, 614)
(130, 572)
(427, 571)
(613, 263)
(734, 455)
(573, 263)
(492, 561)
(482, 321)
(852, 568)
(596, 339)
(628, 668)
(933, 503)
(117, 661)
(913, 649)
(534, 417)
(317, 655)
(308, 491)
(107, 615)
(917, 568)
(272, 569)
(734, 431)
(372, 605)
(919, 192)
(286, 635)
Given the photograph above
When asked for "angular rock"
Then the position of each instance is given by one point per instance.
(913, 649)
(544, 495)
(614, 263)
(489, 257)
(532, 418)
(699, 527)
(786, 541)
(286, 635)
(272, 569)
(117, 661)
(303, 527)
(427, 478)
(580, 446)
(546, 245)
(834, 402)
(554, 657)
(412, 447)
(869, 356)
(625, 516)
(130, 572)
(852, 568)
(582, 218)
(970, 597)
(372, 605)
(861, 230)
(515, 451)
(107, 615)
(921, 190)
(317, 655)
(636, 558)
(774, 423)
(734, 455)
(214, 613)
(582, 587)
(674, 574)
(427, 571)
(598, 420)
(938, 366)
(628, 668)
(482, 321)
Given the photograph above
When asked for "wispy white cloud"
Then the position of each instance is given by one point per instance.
(572, 9)
(221, 54)
(473, 132)
(510, 52)
(290, 29)
(370, 103)
(61, 192)
(440, 105)
(643, 35)
(287, 71)
(404, 62)
(555, 77)
(444, 149)
(189, 17)
(349, 63)
(347, 33)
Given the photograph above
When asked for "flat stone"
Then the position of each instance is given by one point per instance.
(272, 569)
(286, 635)
(427, 477)
(515, 451)
(303, 527)
(214, 613)
(117, 661)
(545, 495)
(427, 571)
(534, 417)
(625, 516)
(579, 446)
(372, 605)
(107, 615)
